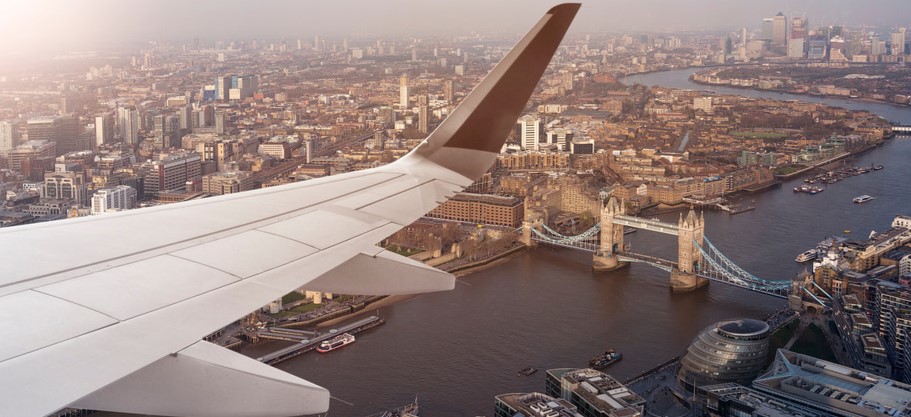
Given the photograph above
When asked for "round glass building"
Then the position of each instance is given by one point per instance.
(727, 351)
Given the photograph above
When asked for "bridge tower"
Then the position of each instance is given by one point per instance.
(691, 230)
(533, 220)
(605, 259)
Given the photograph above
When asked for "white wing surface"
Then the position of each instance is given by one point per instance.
(108, 312)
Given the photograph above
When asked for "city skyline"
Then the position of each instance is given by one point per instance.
(58, 26)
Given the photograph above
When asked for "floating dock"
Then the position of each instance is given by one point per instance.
(306, 341)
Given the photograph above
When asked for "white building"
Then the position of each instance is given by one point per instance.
(530, 132)
(106, 200)
(702, 103)
(403, 91)
(9, 137)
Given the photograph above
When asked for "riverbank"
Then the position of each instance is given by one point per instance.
(698, 78)
(821, 164)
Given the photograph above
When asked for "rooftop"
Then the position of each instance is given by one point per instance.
(834, 386)
(743, 327)
(539, 405)
(600, 390)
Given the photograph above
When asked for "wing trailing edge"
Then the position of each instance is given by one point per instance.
(208, 380)
(383, 273)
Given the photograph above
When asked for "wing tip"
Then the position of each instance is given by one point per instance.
(565, 8)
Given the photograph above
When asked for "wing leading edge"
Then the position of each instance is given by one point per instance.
(120, 319)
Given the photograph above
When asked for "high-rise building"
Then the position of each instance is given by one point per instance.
(779, 30)
(9, 137)
(33, 149)
(530, 132)
(898, 42)
(703, 103)
(128, 125)
(767, 24)
(877, 47)
(172, 172)
(221, 122)
(797, 37)
(242, 86)
(65, 184)
(62, 130)
(568, 81)
(448, 91)
(222, 87)
(403, 91)
(423, 117)
(185, 118)
(104, 129)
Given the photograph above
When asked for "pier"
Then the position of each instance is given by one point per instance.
(306, 341)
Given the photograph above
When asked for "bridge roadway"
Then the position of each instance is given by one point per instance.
(654, 261)
(300, 347)
(640, 223)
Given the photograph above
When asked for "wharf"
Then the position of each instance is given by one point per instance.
(304, 344)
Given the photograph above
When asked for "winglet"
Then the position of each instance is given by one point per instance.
(470, 138)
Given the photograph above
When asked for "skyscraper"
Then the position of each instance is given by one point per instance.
(128, 125)
(221, 122)
(9, 138)
(779, 30)
(898, 42)
(104, 129)
(403, 91)
(222, 87)
(797, 37)
(423, 115)
(767, 24)
(448, 91)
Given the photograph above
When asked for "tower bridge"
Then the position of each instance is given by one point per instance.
(698, 260)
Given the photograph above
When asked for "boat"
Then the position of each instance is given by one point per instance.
(603, 361)
(878, 167)
(335, 343)
(862, 199)
(527, 371)
(807, 256)
(409, 410)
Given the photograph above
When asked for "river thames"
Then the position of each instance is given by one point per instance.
(546, 308)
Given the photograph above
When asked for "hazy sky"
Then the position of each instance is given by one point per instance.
(40, 22)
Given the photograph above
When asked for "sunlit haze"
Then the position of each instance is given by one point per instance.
(73, 25)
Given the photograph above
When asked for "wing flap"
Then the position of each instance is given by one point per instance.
(384, 273)
(207, 380)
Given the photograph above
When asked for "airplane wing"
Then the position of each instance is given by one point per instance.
(108, 312)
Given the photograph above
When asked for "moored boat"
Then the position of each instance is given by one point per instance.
(608, 358)
(335, 343)
(807, 256)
